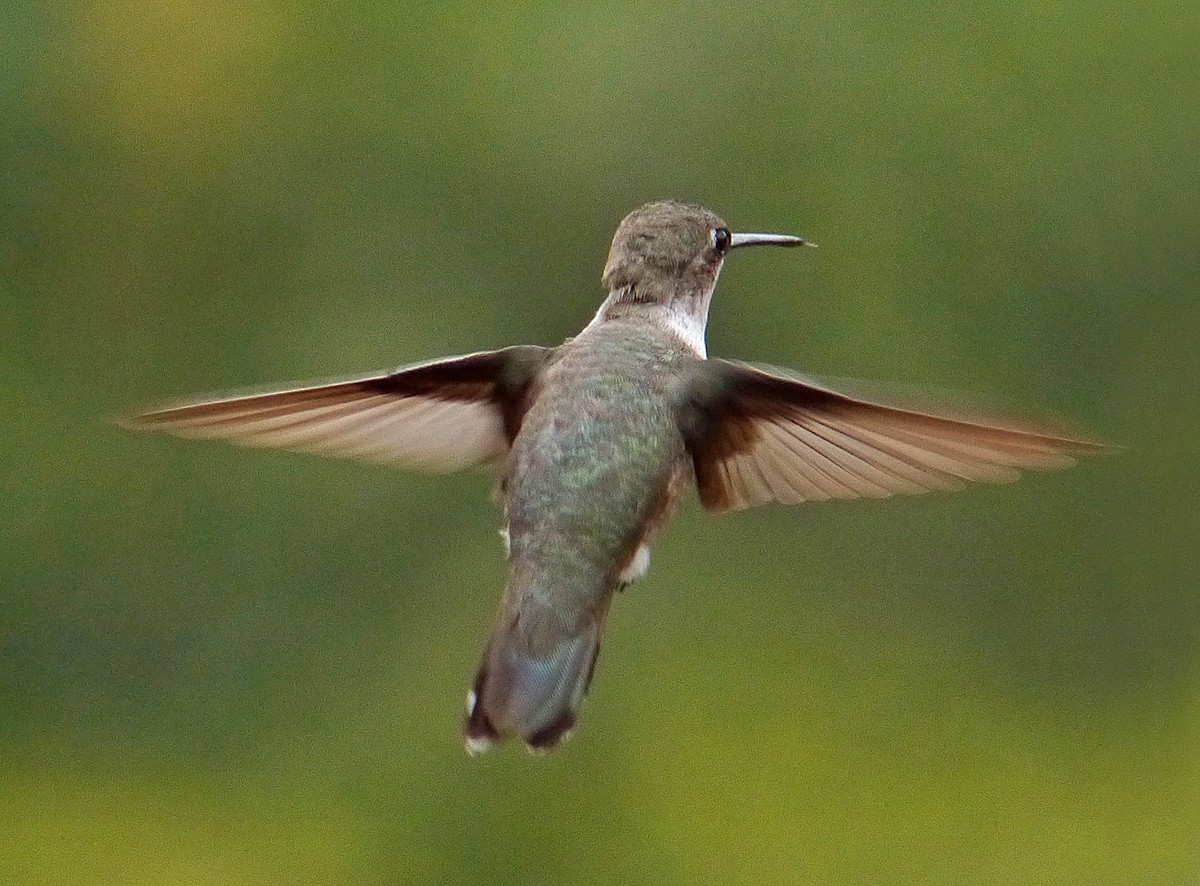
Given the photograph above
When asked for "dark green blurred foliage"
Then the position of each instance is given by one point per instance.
(227, 666)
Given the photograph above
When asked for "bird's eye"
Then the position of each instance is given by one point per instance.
(721, 238)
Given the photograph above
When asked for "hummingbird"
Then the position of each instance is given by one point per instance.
(598, 440)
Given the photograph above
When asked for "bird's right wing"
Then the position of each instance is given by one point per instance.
(759, 434)
(437, 416)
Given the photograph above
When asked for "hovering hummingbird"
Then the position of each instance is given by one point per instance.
(597, 441)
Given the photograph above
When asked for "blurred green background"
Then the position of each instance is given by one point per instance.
(236, 667)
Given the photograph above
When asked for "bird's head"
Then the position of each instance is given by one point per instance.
(670, 253)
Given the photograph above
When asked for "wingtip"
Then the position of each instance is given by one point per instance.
(135, 422)
(1072, 446)
(149, 417)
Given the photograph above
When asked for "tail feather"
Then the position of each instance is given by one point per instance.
(533, 696)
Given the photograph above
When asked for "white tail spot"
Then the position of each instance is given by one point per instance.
(476, 745)
(637, 568)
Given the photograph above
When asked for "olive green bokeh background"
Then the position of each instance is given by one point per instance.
(238, 667)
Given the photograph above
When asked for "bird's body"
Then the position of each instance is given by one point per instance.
(599, 439)
(595, 472)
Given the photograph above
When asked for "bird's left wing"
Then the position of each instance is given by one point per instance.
(437, 416)
(759, 434)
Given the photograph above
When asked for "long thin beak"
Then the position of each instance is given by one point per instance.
(738, 240)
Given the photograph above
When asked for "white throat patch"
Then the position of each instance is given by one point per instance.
(689, 328)
(686, 319)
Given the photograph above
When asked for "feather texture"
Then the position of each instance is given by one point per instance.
(760, 435)
(438, 416)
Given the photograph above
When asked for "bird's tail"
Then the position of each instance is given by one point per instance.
(532, 689)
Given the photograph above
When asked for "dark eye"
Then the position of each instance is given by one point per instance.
(721, 239)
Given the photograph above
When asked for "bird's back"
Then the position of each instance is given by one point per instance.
(595, 450)
(597, 462)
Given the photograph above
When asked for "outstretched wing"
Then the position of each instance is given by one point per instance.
(438, 416)
(759, 434)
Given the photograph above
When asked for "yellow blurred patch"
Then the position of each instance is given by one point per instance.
(116, 828)
(170, 74)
